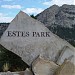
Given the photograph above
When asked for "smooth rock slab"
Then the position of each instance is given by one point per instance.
(9, 73)
(66, 53)
(26, 72)
(43, 67)
(67, 68)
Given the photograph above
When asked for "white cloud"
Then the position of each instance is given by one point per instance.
(59, 2)
(4, 18)
(47, 3)
(12, 6)
(33, 10)
(1, 14)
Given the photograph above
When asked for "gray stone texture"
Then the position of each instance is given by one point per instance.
(55, 16)
(43, 67)
(28, 48)
(66, 53)
(67, 68)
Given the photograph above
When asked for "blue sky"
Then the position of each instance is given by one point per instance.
(10, 8)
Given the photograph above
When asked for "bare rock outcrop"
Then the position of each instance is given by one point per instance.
(43, 67)
(67, 68)
(60, 20)
(29, 38)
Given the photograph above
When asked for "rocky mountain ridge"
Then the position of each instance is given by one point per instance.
(55, 15)
(60, 20)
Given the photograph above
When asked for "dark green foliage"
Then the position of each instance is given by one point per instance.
(14, 61)
(3, 27)
(33, 16)
(4, 23)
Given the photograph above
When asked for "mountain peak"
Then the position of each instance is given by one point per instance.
(63, 16)
(54, 5)
(60, 20)
(70, 7)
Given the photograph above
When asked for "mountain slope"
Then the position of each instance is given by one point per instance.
(60, 20)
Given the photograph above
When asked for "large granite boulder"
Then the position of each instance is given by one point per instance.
(43, 67)
(67, 68)
(29, 38)
(66, 53)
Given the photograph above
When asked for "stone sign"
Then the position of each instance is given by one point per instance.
(29, 38)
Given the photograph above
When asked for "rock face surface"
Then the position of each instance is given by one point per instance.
(28, 72)
(63, 16)
(43, 67)
(67, 68)
(60, 20)
(48, 16)
(66, 53)
(19, 39)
